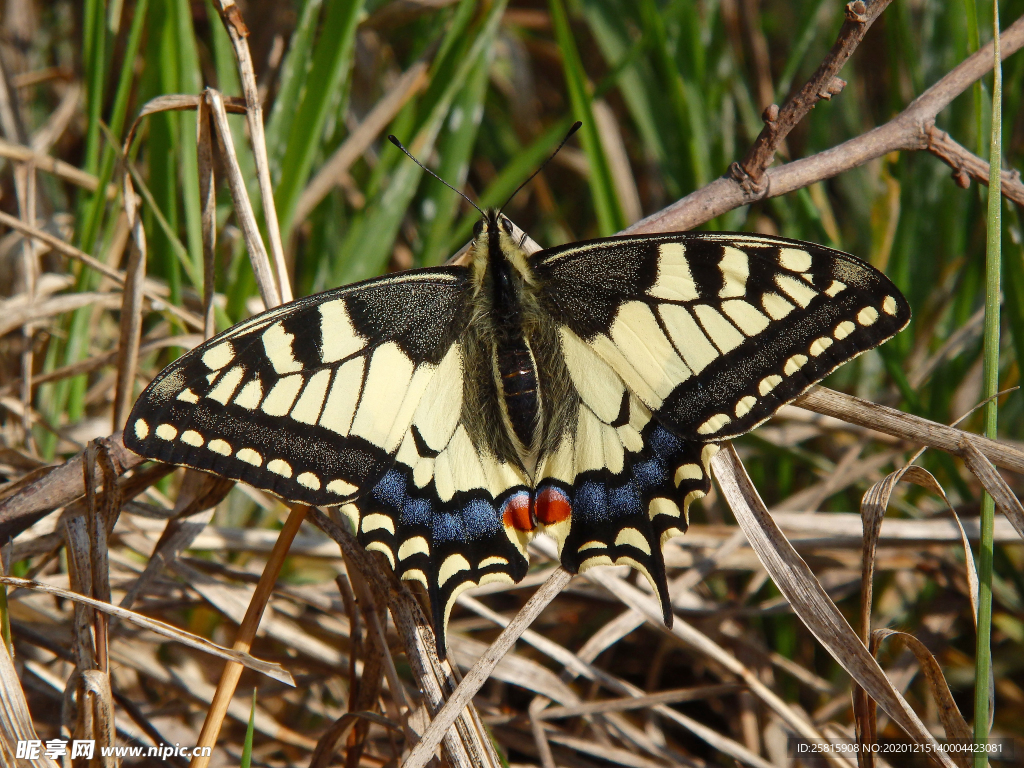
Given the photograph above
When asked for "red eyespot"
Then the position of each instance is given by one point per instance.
(553, 506)
(515, 512)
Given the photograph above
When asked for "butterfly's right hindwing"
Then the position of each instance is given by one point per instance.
(311, 400)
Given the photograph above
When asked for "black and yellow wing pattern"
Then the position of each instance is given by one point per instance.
(454, 413)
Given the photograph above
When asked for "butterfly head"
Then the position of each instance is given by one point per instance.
(499, 246)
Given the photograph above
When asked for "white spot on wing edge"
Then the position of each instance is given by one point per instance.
(280, 467)
(249, 456)
(794, 364)
(744, 405)
(308, 480)
(141, 429)
(844, 329)
(687, 472)
(377, 521)
(193, 438)
(659, 505)
(820, 345)
(768, 383)
(889, 305)
(220, 446)
(342, 487)
(867, 316)
(167, 432)
(415, 546)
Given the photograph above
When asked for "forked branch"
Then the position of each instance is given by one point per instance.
(912, 129)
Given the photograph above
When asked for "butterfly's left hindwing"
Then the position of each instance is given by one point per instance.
(311, 400)
(714, 332)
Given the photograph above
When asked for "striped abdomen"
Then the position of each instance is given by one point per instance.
(519, 389)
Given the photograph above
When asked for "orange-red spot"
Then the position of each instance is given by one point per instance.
(517, 512)
(553, 506)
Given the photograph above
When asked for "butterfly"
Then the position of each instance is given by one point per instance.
(454, 413)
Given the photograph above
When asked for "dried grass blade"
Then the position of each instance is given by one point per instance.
(131, 309)
(433, 676)
(889, 421)
(58, 168)
(270, 669)
(208, 204)
(238, 32)
(994, 483)
(476, 677)
(200, 492)
(694, 638)
(15, 719)
(357, 142)
(796, 581)
(68, 250)
(243, 207)
(96, 712)
(43, 310)
(247, 631)
(627, 703)
(873, 507)
(61, 486)
(952, 720)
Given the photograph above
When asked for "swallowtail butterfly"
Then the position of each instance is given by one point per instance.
(453, 413)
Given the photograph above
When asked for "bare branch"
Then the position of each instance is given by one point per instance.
(907, 426)
(909, 130)
(824, 84)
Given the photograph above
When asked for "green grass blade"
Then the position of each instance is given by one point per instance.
(330, 65)
(610, 218)
(294, 67)
(455, 148)
(514, 172)
(990, 385)
(189, 81)
(369, 242)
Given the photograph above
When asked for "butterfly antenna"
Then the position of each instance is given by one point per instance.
(394, 140)
(575, 127)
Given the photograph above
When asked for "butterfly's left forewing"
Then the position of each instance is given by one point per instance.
(311, 400)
